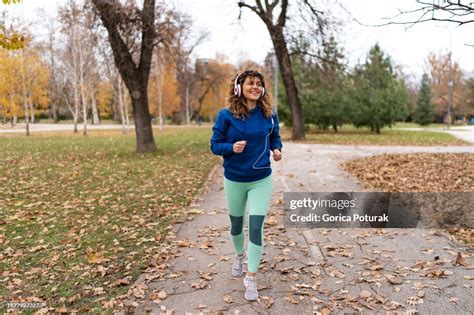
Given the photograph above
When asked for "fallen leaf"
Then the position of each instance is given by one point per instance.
(93, 257)
(98, 291)
(292, 299)
(265, 301)
(194, 211)
(427, 251)
(414, 300)
(375, 267)
(460, 260)
(325, 311)
(394, 279)
(228, 299)
(162, 295)
(183, 243)
(365, 294)
(120, 282)
(199, 285)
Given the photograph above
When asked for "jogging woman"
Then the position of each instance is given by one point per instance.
(244, 134)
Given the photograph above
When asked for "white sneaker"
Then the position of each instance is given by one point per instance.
(238, 265)
(251, 292)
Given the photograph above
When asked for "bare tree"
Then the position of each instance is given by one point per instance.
(117, 20)
(208, 76)
(53, 87)
(459, 12)
(70, 18)
(159, 73)
(184, 44)
(23, 85)
(276, 25)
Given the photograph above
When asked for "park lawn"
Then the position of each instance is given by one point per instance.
(82, 217)
(361, 136)
(415, 125)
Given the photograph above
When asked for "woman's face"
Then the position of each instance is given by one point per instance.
(252, 88)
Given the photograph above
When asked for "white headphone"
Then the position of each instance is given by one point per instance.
(238, 87)
(266, 141)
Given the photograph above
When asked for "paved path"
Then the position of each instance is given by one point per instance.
(20, 128)
(310, 270)
(465, 133)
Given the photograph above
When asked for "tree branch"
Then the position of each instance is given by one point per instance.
(282, 17)
(254, 9)
(122, 54)
(148, 36)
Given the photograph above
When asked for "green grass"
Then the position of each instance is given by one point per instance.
(348, 134)
(415, 125)
(85, 197)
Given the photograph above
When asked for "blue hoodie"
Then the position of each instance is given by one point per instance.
(254, 162)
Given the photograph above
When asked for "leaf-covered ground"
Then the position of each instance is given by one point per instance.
(420, 172)
(353, 136)
(81, 217)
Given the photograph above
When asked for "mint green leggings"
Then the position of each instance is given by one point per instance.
(258, 195)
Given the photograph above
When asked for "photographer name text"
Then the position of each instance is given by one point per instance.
(312, 217)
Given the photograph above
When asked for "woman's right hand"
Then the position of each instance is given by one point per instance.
(239, 146)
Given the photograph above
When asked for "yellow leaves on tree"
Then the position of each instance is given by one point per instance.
(27, 82)
(163, 88)
(10, 41)
(443, 72)
(215, 82)
(10, 89)
(104, 97)
(37, 80)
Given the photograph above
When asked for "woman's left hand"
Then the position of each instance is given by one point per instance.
(276, 155)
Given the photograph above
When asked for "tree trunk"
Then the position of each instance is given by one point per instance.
(95, 112)
(188, 121)
(160, 112)
(160, 85)
(116, 104)
(27, 121)
(25, 102)
(286, 71)
(81, 86)
(142, 119)
(32, 113)
(84, 114)
(53, 85)
(75, 81)
(93, 102)
(54, 111)
(125, 111)
(134, 76)
(120, 103)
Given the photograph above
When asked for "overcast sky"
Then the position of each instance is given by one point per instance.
(248, 38)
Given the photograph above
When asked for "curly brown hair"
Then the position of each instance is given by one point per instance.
(236, 104)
